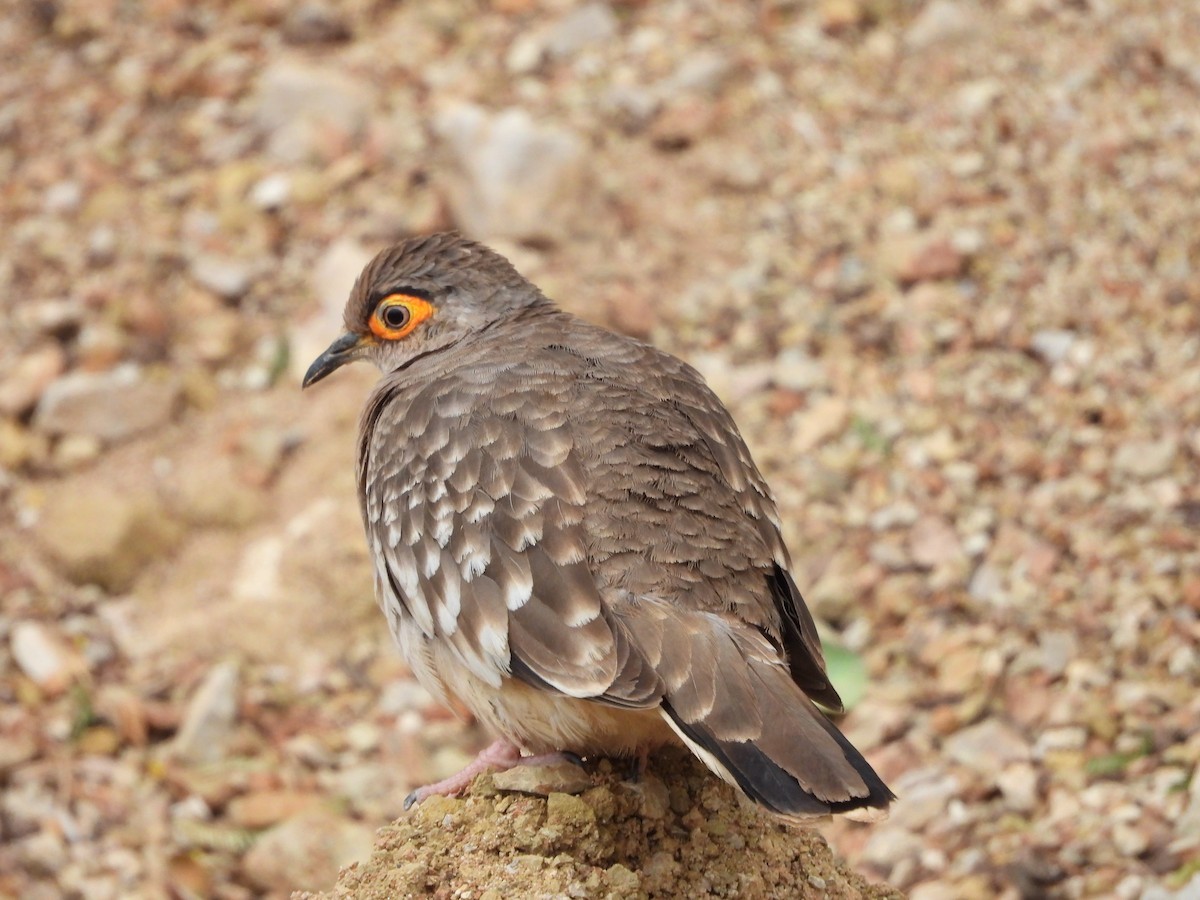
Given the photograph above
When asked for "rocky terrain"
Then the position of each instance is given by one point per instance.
(939, 257)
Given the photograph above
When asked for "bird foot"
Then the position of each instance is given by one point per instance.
(499, 756)
(636, 766)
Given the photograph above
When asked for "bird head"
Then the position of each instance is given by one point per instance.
(422, 295)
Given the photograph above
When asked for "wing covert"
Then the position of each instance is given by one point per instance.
(476, 521)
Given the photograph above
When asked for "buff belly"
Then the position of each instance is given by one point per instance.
(535, 719)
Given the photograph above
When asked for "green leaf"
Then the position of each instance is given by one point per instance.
(281, 358)
(848, 673)
(869, 435)
(83, 715)
(1184, 874)
(1111, 764)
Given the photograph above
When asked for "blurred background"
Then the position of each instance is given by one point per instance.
(939, 256)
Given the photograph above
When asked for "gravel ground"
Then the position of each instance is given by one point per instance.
(939, 257)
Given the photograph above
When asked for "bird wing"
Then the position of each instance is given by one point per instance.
(475, 512)
(677, 483)
(710, 604)
(530, 512)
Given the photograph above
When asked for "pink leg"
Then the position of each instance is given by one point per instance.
(499, 756)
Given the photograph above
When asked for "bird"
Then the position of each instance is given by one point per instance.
(571, 540)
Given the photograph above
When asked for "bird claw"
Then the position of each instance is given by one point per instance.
(500, 755)
(551, 759)
(637, 766)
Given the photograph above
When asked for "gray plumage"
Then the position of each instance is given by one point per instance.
(570, 537)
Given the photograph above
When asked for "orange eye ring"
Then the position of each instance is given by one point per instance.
(397, 315)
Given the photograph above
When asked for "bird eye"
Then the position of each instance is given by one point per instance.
(397, 315)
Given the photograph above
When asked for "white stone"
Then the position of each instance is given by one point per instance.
(1052, 344)
(795, 370)
(271, 192)
(1146, 459)
(228, 278)
(986, 584)
(40, 656)
(942, 20)
(362, 737)
(975, 97)
(1019, 785)
(403, 696)
(63, 197)
(1129, 840)
(889, 844)
(926, 791)
(101, 245)
(210, 717)
(825, 418)
(895, 515)
(1070, 737)
(259, 574)
(109, 406)
(1057, 649)
(933, 541)
(298, 104)
(986, 747)
(704, 71)
(526, 53)
(514, 175)
(592, 23)
(306, 851)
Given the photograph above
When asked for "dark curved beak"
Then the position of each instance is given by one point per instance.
(336, 355)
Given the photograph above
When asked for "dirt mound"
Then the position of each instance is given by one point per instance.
(677, 832)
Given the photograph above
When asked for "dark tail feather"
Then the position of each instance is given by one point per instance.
(799, 766)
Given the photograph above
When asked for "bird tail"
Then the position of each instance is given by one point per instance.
(798, 765)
